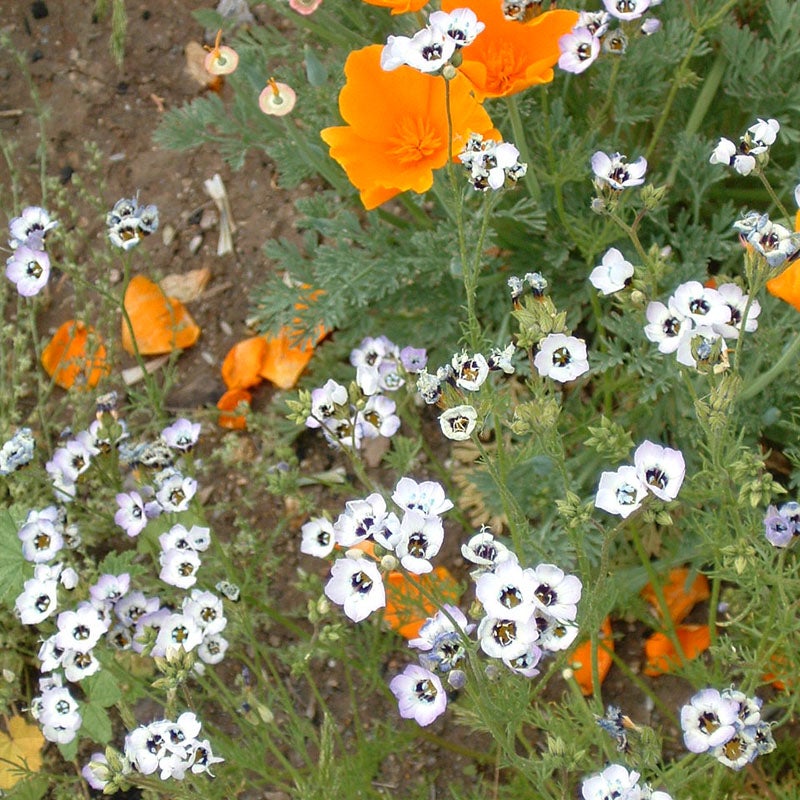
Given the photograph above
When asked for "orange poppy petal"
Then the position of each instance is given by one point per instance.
(228, 403)
(161, 324)
(399, 6)
(242, 364)
(681, 598)
(284, 362)
(662, 657)
(67, 360)
(581, 659)
(407, 609)
(787, 285)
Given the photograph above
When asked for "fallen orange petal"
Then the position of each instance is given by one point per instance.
(228, 403)
(680, 597)
(662, 657)
(284, 362)
(407, 609)
(242, 366)
(161, 324)
(67, 360)
(581, 659)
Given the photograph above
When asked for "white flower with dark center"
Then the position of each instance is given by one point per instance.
(419, 539)
(212, 649)
(614, 171)
(485, 551)
(561, 357)
(378, 417)
(174, 491)
(178, 538)
(506, 638)
(556, 593)
(728, 154)
(181, 435)
(596, 22)
(78, 666)
(613, 273)
(470, 371)
(71, 460)
(179, 567)
(554, 634)
(38, 600)
(427, 51)
(58, 713)
(429, 387)
(461, 25)
(206, 610)
(147, 628)
(357, 586)
(708, 720)
(703, 347)
(41, 540)
(761, 136)
(666, 326)
(626, 9)
(704, 306)
(325, 402)
(130, 516)
(736, 300)
(28, 270)
(134, 605)
(773, 241)
(459, 422)
(360, 520)
(420, 695)
(427, 496)
(441, 639)
(17, 451)
(317, 537)
(620, 492)
(527, 663)
(662, 469)
(507, 592)
(201, 758)
(501, 359)
(177, 632)
(613, 783)
(110, 588)
(579, 50)
(30, 228)
(80, 630)
(144, 747)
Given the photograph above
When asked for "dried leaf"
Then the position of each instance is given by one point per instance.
(195, 55)
(186, 287)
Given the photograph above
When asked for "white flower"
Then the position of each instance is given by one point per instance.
(212, 649)
(179, 567)
(130, 515)
(360, 520)
(41, 540)
(356, 584)
(71, 460)
(325, 401)
(28, 270)
(762, 135)
(38, 600)
(485, 551)
(461, 25)
(613, 272)
(57, 712)
(708, 720)
(508, 591)
(470, 371)
(427, 496)
(459, 422)
(596, 22)
(613, 782)
(620, 492)
(626, 9)
(561, 357)
(797, 195)
(525, 664)
(506, 638)
(441, 639)
(30, 228)
(702, 345)
(736, 300)
(666, 326)
(727, 153)
(704, 306)
(81, 629)
(17, 451)
(579, 50)
(317, 537)
(612, 170)
(662, 469)
(174, 491)
(378, 417)
(554, 634)
(556, 593)
(420, 695)
(419, 539)
(78, 666)
(427, 51)
(181, 435)
(178, 631)
(501, 359)
(205, 608)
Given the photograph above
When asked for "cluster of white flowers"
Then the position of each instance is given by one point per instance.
(466, 372)
(381, 367)
(28, 267)
(527, 613)
(727, 725)
(590, 35)
(534, 281)
(17, 451)
(775, 242)
(615, 782)
(128, 222)
(656, 469)
(433, 48)
(490, 163)
(756, 142)
(697, 320)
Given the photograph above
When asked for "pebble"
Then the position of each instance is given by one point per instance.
(195, 244)
(168, 234)
(208, 358)
(208, 219)
(39, 9)
(225, 327)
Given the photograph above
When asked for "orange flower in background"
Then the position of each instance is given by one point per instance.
(407, 609)
(68, 360)
(399, 6)
(161, 324)
(228, 404)
(581, 659)
(508, 56)
(681, 596)
(242, 366)
(396, 132)
(786, 286)
(661, 655)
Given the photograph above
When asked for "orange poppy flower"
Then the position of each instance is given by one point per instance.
(227, 404)
(406, 608)
(241, 368)
(508, 56)
(161, 324)
(396, 132)
(681, 598)
(399, 6)
(661, 655)
(581, 659)
(786, 286)
(67, 359)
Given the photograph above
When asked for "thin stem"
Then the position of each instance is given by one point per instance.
(521, 142)
(780, 366)
(774, 197)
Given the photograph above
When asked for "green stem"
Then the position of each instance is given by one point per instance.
(521, 142)
(774, 197)
(780, 366)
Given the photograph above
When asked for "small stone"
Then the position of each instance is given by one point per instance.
(65, 175)
(208, 219)
(168, 234)
(195, 244)
(225, 327)
(208, 358)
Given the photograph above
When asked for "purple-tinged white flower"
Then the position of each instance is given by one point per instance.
(41, 539)
(71, 460)
(133, 606)
(325, 401)
(779, 530)
(461, 25)
(555, 592)
(596, 22)
(58, 713)
(526, 664)
(110, 588)
(614, 171)
(130, 515)
(426, 496)
(708, 720)
(174, 492)
(626, 9)
(38, 600)
(212, 649)
(459, 422)
(206, 610)
(360, 520)
(701, 304)
(30, 228)
(661, 468)
(78, 666)
(620, 492)
(179, 567)
(650, 26)
(613, 782)
(508, 591)
(666, 326)
(80, 629)
(561, 357)
(413, 359)
(579, 50)
(506, 638)
(181, 435)
(356, 585)
(555, 635)
(177, 632)
(441, 639)
(420, 695)
(378, 417)
(28, 270)
(613, 273)
(317, 537)
(485, 551)
(97, 773)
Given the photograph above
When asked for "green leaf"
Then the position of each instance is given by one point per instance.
(12, 564)
(96, 723)
(32, 788)
(69, 750)
(102, 689)
(315, 69)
